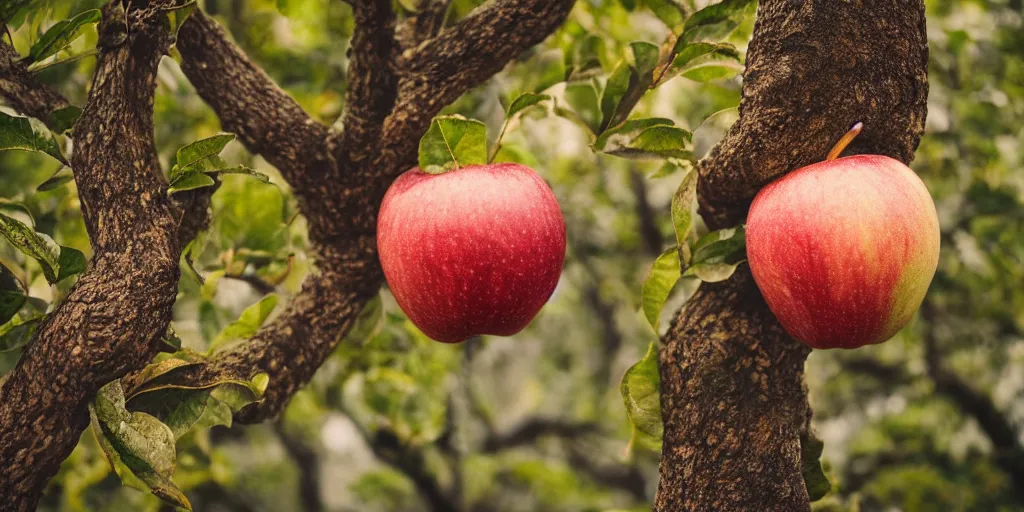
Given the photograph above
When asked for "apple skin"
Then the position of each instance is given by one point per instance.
(844, 250)
(477, 250)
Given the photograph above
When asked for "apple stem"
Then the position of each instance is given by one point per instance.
(844, 141)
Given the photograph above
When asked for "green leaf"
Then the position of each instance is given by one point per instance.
(12, 297)
(452, 142)
(187, 395)
(171, 339)
(716, 21)
(190, 181)
(368, 324)
(713, 70)
(137, 445)
(584, 62)
(177, 15)
(62, 34)
(61, 120)
(247, 324)
(17, 332)
(8, 9)
(71, 262)
(625, 132)
(16, 210)
(240, 169)
(717, 254)
(659, 141)
(671, 12)
(585, 104)
(664, 274)
(36, 245)
(814, 475)
(682, 214)
(628, 82)
(59, 179)
(641, 393)
(523, 102)
(672, 166)
(28, 134)
(189, 156)
(694, 59)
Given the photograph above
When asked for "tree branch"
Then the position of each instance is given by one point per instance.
(112, 320)
(250, 105)
(529, 431)
(307, 461)
(441, 69)
(734, 402)
(21, 89)
(342, 211)
(1007, 449)
(372, 85)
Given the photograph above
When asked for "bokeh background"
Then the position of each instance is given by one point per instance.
(929, 421)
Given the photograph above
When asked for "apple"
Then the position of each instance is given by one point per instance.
(844, 250)
(476, 250)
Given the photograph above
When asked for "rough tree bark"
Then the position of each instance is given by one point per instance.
(733, 398)
(111, 322)
(113, 318)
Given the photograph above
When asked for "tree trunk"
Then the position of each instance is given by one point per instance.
(733, 399)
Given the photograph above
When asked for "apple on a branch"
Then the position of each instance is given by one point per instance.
(844, 250)
(467, 247)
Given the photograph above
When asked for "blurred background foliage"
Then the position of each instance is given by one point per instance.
(929, 421)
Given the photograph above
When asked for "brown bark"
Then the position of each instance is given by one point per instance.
(733, 398)
(113, 318)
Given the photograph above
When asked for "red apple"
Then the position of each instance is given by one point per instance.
(844, 250)
(477, 250)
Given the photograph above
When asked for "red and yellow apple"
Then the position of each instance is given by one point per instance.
(476, 250)
(844, 250)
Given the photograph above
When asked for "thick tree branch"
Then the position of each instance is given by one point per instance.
(733, 403)
(268, 121)
(112, 320)
(733, 399)
(372, 83)
(22, 91)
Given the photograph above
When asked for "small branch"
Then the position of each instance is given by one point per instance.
(884, 372)
(649, 231)
(1007, 449)
(21, 89)
(260, 285)
(423, 25)
(308, 462)
(442, 68)
(529, 431)
(622, 476)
